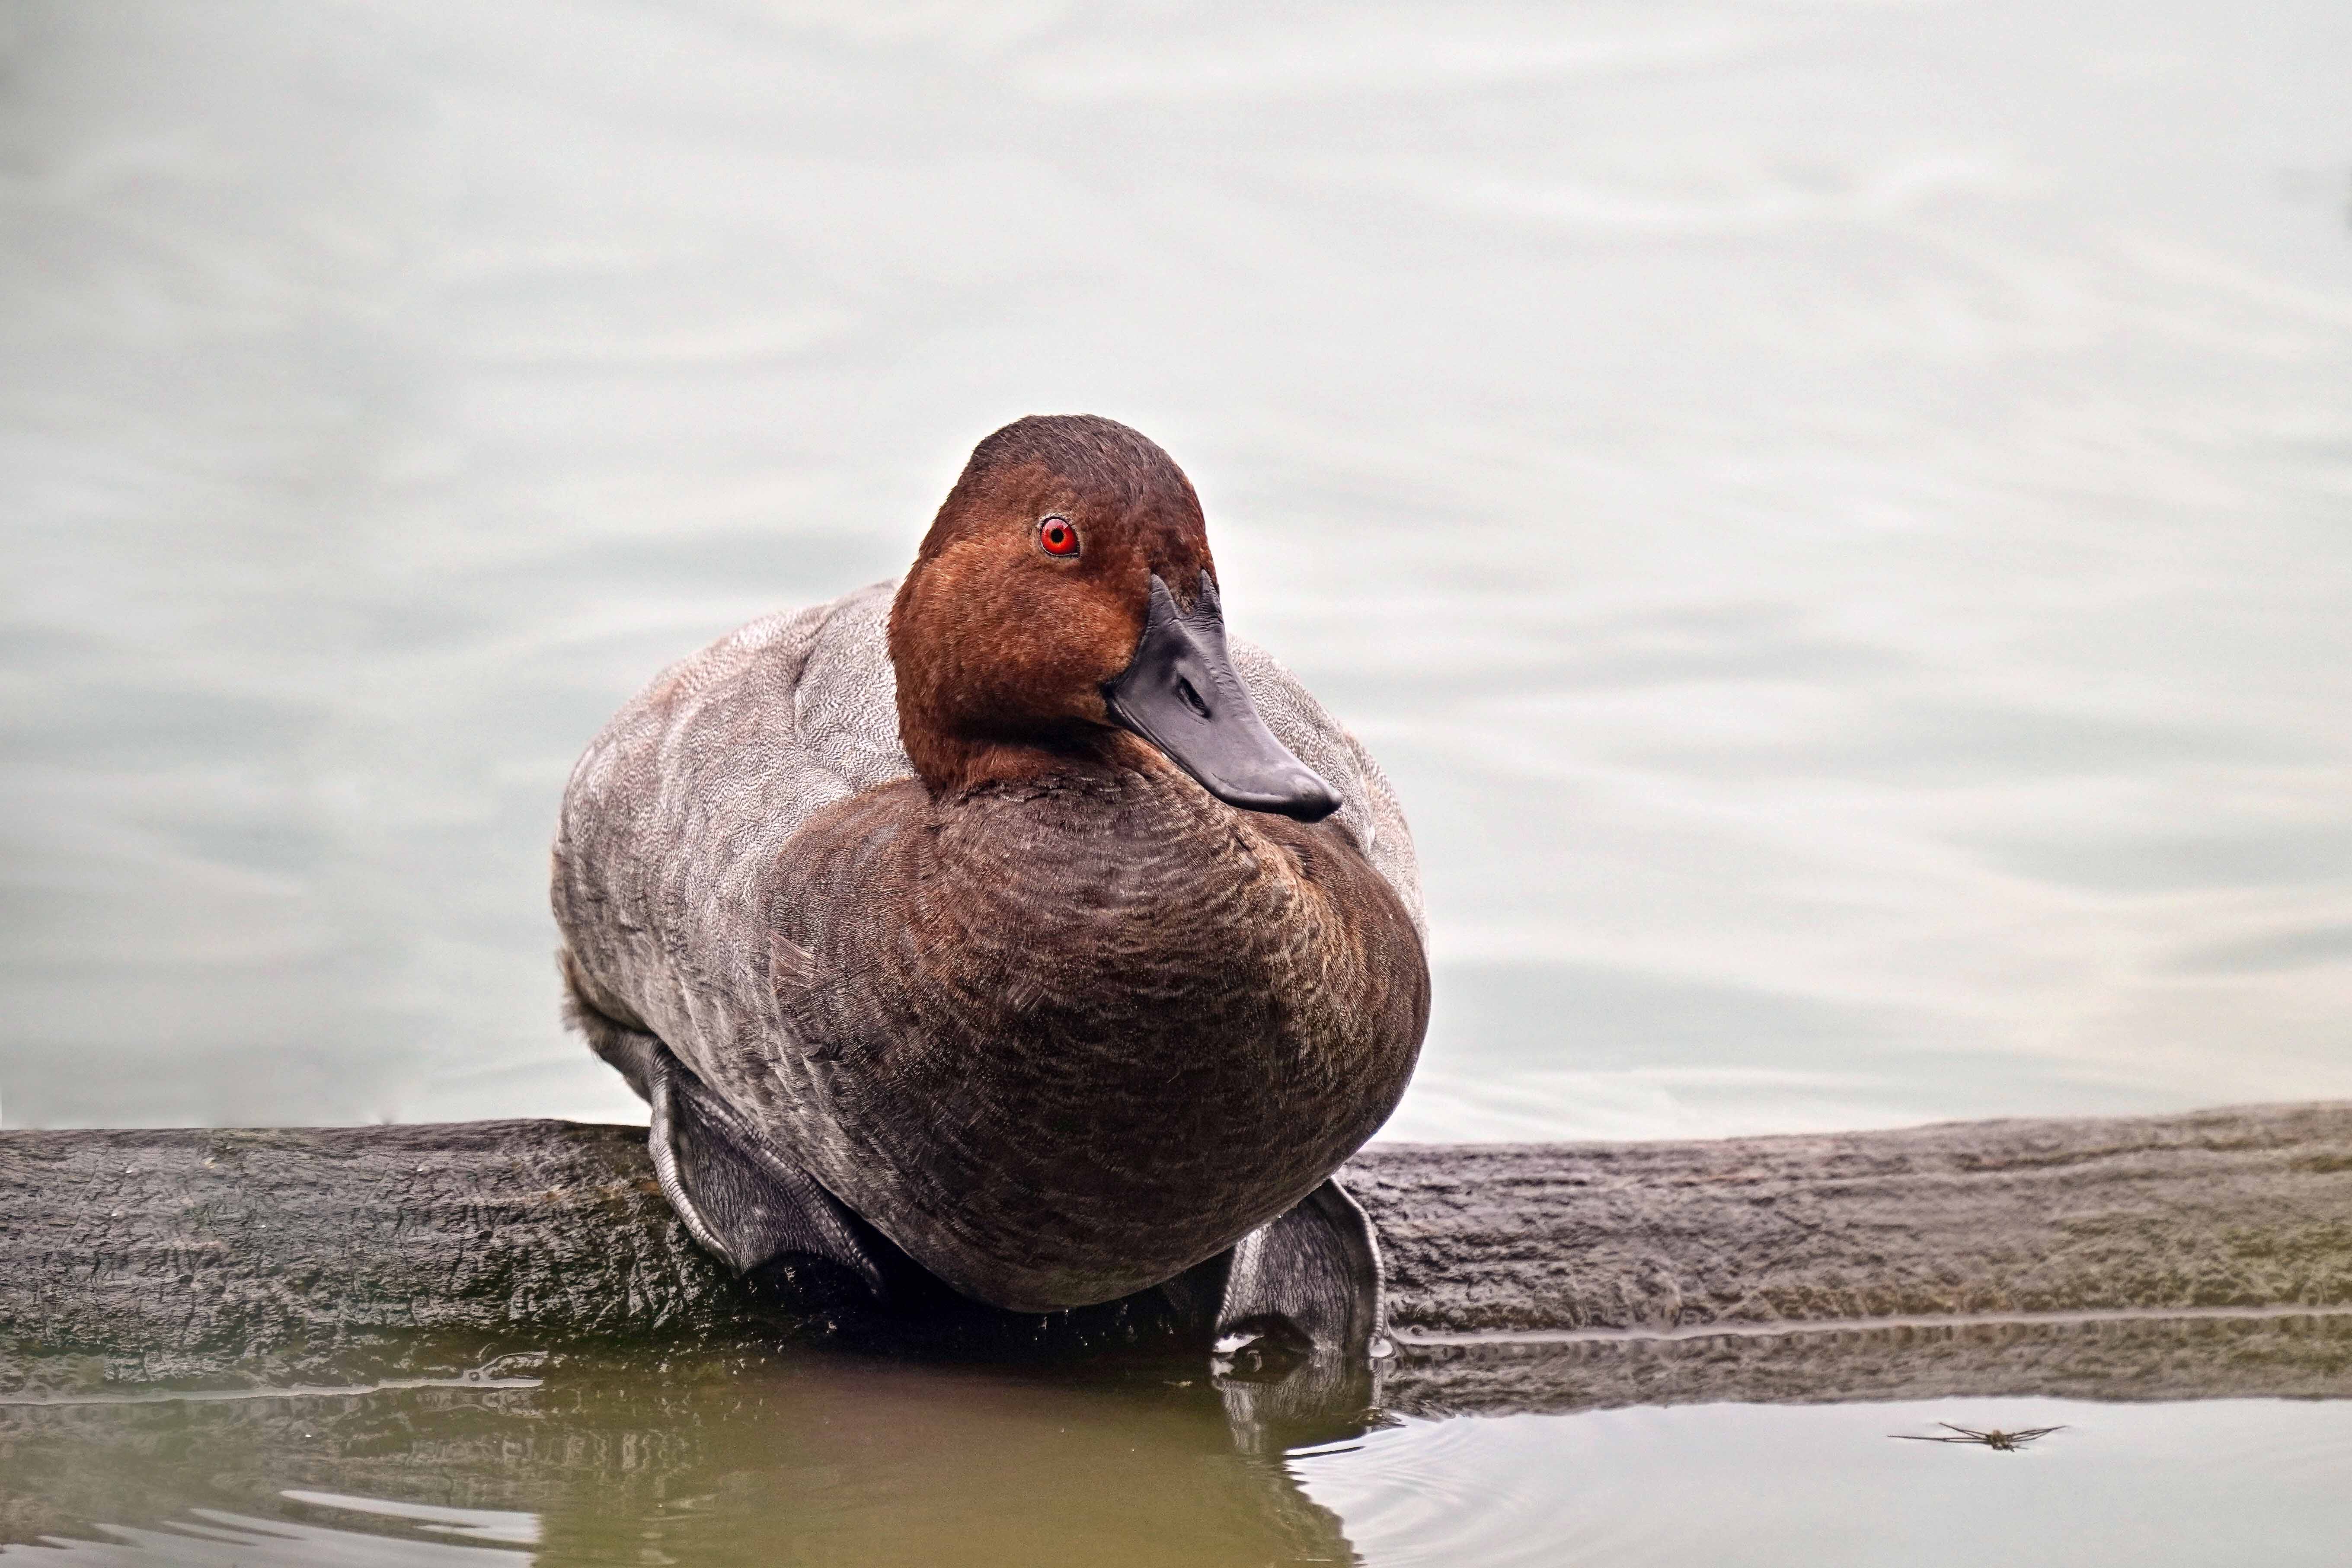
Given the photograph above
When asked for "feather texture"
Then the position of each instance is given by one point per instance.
(1058, 1043)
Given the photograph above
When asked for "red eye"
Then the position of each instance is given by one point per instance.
(1057, 536)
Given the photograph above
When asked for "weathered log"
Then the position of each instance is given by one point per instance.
(226, 1259)
(2244, 1208)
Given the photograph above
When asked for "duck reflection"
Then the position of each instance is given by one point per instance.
(799, 1458)
(1278, 1391)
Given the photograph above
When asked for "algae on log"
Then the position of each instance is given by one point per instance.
(269, 1257)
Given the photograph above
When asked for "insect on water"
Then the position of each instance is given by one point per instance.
(1992, 1437)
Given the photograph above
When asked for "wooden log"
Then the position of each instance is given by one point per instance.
(1543, 1276)
(2234, 1208)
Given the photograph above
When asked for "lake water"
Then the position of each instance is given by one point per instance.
(1835, 515)
(838, 1462)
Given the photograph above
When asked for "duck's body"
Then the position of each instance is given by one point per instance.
(1047, 1014)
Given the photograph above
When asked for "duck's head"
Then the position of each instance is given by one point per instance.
(1065, 605)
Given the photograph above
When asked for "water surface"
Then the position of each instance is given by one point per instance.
(1832, 513)
(834, 1461)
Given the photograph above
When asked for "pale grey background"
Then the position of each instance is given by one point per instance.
(1834, 514)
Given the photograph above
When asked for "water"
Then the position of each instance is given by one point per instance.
(1833, 515)
(837, 1461)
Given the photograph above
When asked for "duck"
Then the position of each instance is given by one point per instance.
(1010, 925)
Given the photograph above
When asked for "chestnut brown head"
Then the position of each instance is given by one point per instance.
(1063, 606)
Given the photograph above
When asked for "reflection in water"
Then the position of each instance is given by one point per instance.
(815, 1459)
(212, 1538)
(837, 1460)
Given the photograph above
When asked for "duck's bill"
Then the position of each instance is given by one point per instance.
(1182, 693)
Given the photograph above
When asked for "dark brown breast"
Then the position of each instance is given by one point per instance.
(1063, 1038)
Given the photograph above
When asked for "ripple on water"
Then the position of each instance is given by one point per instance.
(214, 1538)
(1820, 1485)
(840, 1459)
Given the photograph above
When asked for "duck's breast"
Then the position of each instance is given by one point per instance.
(1061, 1040)
(676, 827)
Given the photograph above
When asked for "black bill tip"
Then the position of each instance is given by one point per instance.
(1182, 693)
(1305, 796)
